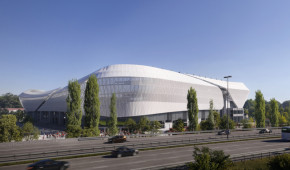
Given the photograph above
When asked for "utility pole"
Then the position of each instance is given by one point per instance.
(227, 100)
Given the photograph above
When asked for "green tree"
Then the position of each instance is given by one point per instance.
(206, 125)
(113, 129)
(207, 159)
(9, 100)
(92, 106)
(217, 119)
(274, 113)
(249, 107)
(131, 125)
(144, 124)
(20, 115)
(155, 126)
(30, 132)
(268, 110)
(178, 125)
(246, 123)
(224, 121)
(282, 120)
(9, 131)
(260, 110)
(210, 118)
(279, 162)
(192, 109)
(74, 111)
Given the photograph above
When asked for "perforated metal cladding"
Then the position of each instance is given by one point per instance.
(142, 90)
(144, 96)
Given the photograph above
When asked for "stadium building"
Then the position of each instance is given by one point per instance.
(156, 93)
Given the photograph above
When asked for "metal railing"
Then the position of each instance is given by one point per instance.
(143, 145)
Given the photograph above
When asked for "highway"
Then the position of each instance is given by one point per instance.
(69, 144)
(152, 158)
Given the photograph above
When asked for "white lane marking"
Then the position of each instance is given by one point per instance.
(174, 157)
(89, 162)
(98, 167)
(149, 167)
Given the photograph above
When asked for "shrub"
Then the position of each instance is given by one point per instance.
(280, 162)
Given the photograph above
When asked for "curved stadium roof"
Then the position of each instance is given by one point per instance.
(142, 90)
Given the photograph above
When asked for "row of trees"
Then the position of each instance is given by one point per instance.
(212, 122)
(91, 108)
(9, 100)
(142, 126)
(9, 131)
(261, 110)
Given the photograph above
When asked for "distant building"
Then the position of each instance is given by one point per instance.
(156, 93)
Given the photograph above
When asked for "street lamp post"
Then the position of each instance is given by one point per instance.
(227, 100)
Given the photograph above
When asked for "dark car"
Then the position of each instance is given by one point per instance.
(48, 164)
(117, 139)
(265, 131)
(224, 132)
(124, 151)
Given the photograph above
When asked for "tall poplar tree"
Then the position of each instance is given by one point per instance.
(92, 106)
(113, 130)
(74, 111)
(211, 116)
(192, 109)
(260, 110)
(274, 113)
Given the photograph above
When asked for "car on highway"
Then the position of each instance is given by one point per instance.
(265, 131)
(117, 139)
(224, 132)
(124, 151)
(48, 164)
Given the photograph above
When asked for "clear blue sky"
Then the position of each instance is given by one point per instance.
(44, 44)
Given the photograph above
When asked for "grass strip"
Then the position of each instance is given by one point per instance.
(145, 149)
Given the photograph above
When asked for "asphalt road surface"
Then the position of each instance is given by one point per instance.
(69, 144)
(153, 158)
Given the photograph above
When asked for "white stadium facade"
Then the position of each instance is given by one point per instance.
(156, 93)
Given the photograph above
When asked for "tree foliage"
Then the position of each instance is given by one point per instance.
(192, 109)
(92, 106)
(10, 100)
(155, 126)
(217, 119)
(274, 113)
(30, 132)
(131, 125)
(282, 120)
(279, 162)
(178, 125)
(249, 107)
(260, 110)
(207, 159)
(246, 123)
(9, 131)
(144, 124)
(113, 129)
(74, 111)
(209, 123)
(224, 121)
(206, 125)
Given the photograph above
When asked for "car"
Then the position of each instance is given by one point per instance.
(124, 151)
(265, 131)
(117, 139)
(48, 164)
(224, 132)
